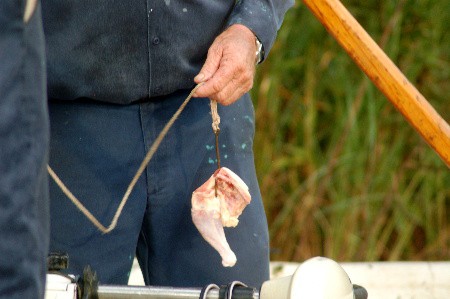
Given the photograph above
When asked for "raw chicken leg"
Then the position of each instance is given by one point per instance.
(210, 213)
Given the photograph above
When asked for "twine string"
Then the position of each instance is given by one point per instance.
(215, 117)
(133, 182)
(215, 126)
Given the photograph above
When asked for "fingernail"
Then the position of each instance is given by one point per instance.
(199, 77)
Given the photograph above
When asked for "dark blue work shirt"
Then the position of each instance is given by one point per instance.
(121, 51)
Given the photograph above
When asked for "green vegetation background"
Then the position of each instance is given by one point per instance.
(342, 173)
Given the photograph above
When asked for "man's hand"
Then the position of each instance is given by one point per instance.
(229, 68)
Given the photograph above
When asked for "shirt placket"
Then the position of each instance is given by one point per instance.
(154, 42)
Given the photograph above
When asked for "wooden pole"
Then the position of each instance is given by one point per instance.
(383, 73)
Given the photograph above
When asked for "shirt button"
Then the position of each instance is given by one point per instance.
(155, 40)
(158, 90)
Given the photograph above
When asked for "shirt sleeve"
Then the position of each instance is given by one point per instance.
(263, 17)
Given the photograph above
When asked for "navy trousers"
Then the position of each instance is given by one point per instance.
(96, 149)
(24, 134)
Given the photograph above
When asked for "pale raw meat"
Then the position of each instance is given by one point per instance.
(210, 213)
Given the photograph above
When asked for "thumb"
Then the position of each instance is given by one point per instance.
(211, 65)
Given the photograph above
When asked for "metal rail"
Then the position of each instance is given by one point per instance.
(150, 292)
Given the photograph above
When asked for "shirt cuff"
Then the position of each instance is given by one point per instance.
(263, 17)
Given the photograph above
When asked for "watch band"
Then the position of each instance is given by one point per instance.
(259, 51)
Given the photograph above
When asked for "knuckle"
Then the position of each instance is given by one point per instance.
(240, 69)
(221, 98)
(247, 77)
(217, 86)
(250, 85)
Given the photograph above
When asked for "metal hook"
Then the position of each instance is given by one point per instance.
(230, 287)
(206, 289)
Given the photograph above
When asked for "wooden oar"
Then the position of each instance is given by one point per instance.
(384, 73)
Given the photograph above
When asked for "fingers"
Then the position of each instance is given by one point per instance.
(229, 84)
(211, 64)
(229, 69)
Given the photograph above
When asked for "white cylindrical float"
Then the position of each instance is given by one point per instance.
(316, 278)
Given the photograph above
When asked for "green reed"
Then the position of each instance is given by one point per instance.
(341, 171)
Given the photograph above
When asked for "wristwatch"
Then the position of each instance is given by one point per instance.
(259, 51)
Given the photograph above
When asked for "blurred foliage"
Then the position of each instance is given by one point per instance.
(342, 173)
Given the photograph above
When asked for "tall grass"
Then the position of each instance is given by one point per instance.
(341, 171)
